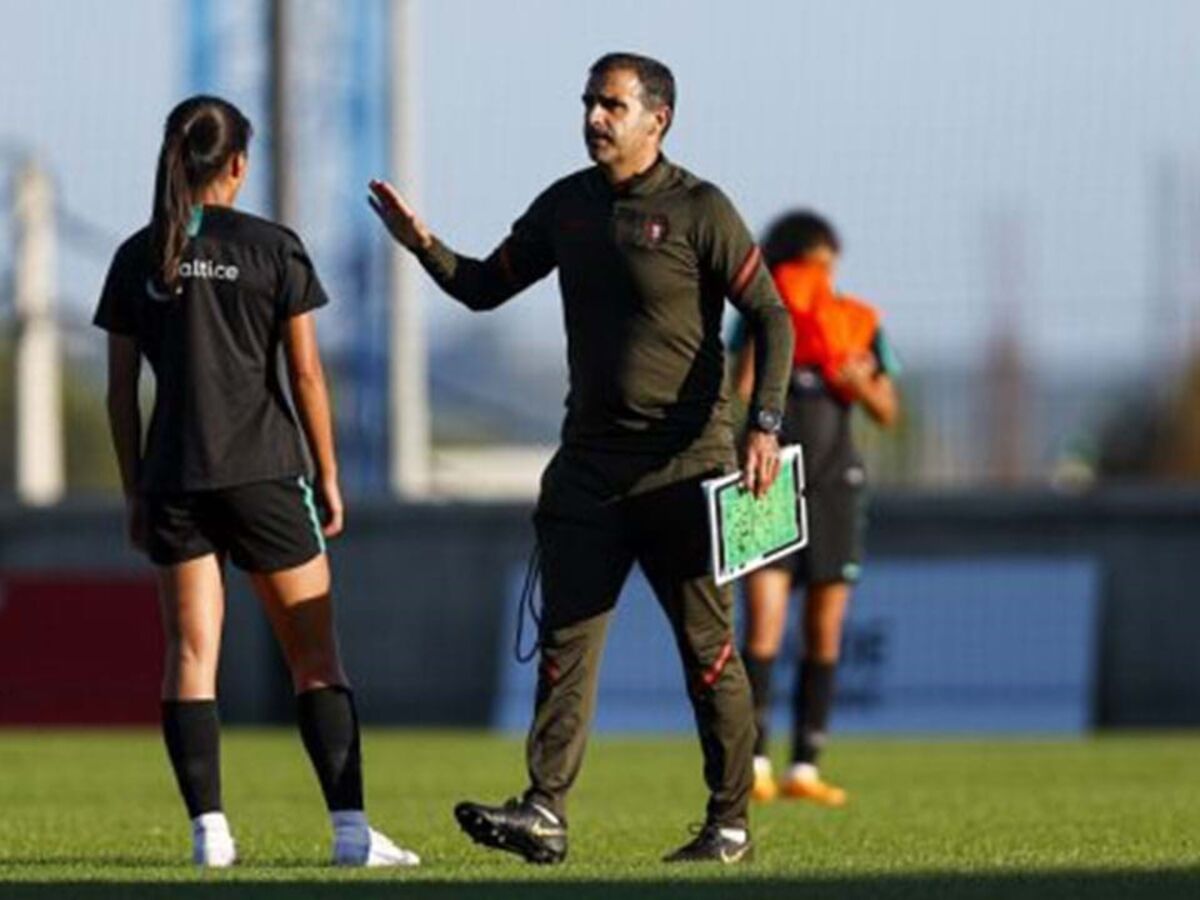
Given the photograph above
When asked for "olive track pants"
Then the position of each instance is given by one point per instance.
(588, 545)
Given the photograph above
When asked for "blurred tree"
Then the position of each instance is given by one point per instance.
(1155, 435)
(1178, 455)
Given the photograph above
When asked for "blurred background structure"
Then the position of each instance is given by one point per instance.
(1018, 186)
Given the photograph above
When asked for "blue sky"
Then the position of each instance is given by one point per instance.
(914, 125)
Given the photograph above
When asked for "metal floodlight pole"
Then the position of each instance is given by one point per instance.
(283, 194)
(40, 470)
(409, 465)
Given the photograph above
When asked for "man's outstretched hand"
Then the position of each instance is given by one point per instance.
(762, 461)
(398, 216)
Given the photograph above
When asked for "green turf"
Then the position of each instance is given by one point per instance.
(95, 815)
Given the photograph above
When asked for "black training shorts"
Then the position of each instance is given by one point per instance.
(264, 526)
(836, 522)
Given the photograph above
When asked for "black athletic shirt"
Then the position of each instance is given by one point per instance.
(644, 269)
(220, 417)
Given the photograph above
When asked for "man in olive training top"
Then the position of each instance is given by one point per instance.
(646, 254)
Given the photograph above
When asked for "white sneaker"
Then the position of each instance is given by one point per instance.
(356, 844)
(212, 843)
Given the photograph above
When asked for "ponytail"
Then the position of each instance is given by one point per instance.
(172, 209)
(200, 136)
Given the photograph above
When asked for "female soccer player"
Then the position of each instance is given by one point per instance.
(842, 359)
(209, 295)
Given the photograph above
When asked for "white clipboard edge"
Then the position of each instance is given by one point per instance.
(791, 455)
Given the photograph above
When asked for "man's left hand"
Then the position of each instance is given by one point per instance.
(762, 461)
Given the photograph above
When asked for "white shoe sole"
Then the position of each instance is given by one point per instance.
(376, 852)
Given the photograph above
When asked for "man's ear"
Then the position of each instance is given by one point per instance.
(663, 116)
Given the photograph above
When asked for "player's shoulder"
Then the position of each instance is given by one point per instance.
(706, 196)
(696, 186)
(238, 226)
(566, 191)
(135, 247)
(581, 180)
(133, 255)
(859, 304)
(890, 362)
(578, 177)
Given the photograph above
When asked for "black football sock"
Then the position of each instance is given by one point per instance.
(812, 699)
(329, 728)
(192, 733)
(758, 670)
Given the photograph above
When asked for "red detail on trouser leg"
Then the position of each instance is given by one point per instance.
(710, 675)
(550, 670)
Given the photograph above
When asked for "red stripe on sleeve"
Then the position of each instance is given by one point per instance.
(745, 272)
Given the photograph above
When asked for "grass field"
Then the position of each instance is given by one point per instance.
(91, 815)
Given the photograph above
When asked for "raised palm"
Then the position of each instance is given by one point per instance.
(398, 216)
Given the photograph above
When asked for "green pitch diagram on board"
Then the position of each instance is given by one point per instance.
(752, 526)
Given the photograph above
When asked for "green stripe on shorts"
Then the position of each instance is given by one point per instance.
(307, 491)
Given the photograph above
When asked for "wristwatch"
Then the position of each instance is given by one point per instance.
(768, 420)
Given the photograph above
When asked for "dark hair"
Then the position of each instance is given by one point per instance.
(200, 136)
(796, 233)
(658, 84)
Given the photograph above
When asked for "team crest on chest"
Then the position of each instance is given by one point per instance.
(656, 229)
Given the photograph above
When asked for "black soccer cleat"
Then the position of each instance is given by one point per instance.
(518, 827)
(709, 845)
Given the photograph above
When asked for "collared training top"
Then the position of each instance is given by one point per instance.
(220, 417)
(644, 269)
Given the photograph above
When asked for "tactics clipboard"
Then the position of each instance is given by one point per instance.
(746, 532)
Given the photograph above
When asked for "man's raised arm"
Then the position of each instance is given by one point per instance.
(524, 257)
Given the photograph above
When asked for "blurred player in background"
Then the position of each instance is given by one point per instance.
(842, 360)
(209, 295)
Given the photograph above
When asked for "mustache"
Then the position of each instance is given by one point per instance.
(593, 134)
